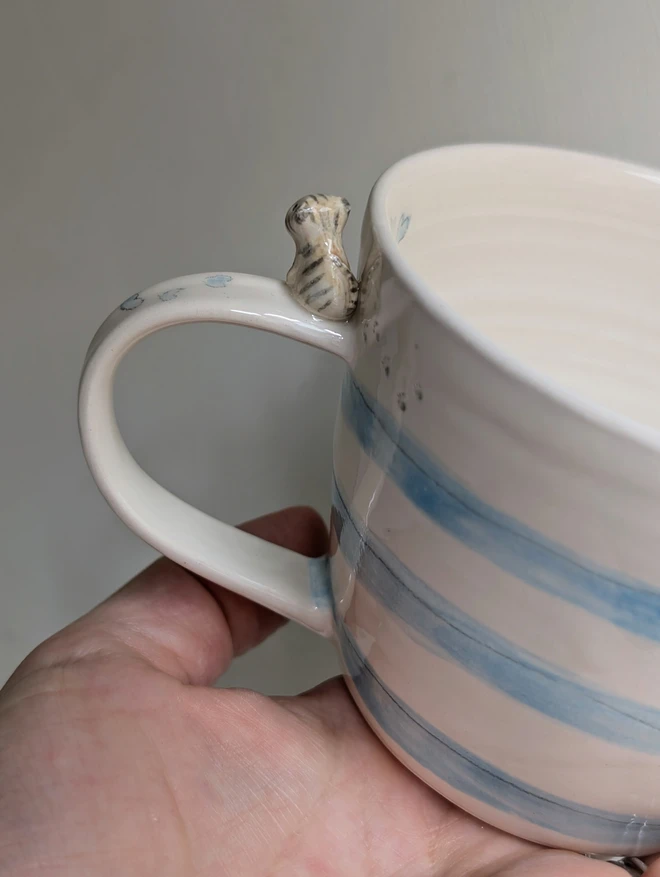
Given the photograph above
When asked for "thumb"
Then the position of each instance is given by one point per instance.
(179, 624)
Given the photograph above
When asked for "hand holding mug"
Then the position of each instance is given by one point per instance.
(116, 758)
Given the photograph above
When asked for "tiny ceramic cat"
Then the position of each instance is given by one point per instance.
(320, 278)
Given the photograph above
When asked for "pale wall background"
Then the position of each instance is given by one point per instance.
(142, 139)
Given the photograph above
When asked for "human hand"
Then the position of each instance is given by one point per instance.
(117, 758)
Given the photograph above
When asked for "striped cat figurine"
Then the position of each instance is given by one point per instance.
(320, 277)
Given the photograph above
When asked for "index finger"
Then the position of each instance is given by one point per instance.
(184, 626)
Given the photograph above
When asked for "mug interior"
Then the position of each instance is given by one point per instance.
(553, 256)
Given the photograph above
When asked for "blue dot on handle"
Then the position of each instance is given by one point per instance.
(218, 281)
(170, 294)
(131, 303)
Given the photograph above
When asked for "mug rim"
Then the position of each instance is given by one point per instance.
(508, 364)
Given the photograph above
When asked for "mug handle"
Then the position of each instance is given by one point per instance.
(275, 577)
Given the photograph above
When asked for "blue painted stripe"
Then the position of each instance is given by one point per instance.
(518, 550)
(442, 628)
(483, 781)
(319, 581)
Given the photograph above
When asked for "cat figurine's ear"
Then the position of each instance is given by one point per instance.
(320, 277)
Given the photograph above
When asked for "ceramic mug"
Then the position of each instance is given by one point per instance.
(493, 585)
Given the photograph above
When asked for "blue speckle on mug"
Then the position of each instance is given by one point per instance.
(170, 294)
(218, 281)
(131, 303)
(404, 224)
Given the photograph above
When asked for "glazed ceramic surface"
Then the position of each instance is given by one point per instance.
(493, 584)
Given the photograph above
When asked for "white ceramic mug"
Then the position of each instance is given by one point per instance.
(494, 578)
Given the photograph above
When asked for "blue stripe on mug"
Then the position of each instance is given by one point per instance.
(442, 628)
(481, 780)
(319, 581)
(518, 550)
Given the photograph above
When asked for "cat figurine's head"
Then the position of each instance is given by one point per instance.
(317, 215)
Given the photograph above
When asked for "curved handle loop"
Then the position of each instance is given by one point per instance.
(277, 578)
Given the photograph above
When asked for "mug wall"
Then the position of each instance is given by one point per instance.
(495, 587)
(139, 143)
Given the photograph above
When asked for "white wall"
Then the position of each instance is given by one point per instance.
(141, 139)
